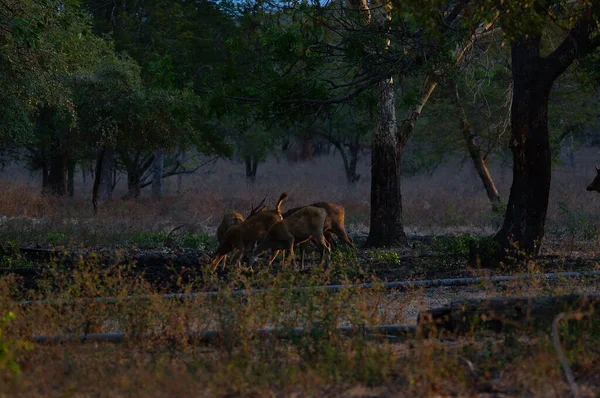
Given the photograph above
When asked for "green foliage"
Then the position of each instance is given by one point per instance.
(56, 238)
(9, 348)
(577, 223)
(453, 245)
(388, 257)
(151, 240)
(199, 241)
(11, 256)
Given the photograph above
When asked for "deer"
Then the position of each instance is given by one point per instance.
(235, 218)
(242, 237)
(595, 185)
(334, 224)
(304, 224)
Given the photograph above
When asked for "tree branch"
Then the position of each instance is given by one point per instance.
(577, 44)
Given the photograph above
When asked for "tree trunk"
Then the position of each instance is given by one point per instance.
(136, 167)
(105, 188)
(157, 175)
(386, 227)
(251, 167)
(523, 227)
(349, 164)
(57, 172)
(133, 183)
(474, 150)
(351, 172)
(45, 186)
(71, 179)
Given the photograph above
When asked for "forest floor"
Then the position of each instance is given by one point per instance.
(240, 363)
(56, 252)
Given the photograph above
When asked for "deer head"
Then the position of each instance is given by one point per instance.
(595, 185)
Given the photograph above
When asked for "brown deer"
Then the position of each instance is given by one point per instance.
(234, 218)
(595, 185)
(243, 236)
(334, 222)
(304, 224)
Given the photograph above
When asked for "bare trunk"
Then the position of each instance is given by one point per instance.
(157, 175)
(474, 150)
(350, 161)
(386, 227)
(105, 187)
(251, 168)
(134, 189)
(102, 189)
(523, 228)
(71, 179)
(135, 167)
(45, 187)
(57, 172)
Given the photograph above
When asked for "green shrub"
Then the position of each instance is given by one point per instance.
(149, 240)
(56, 238)
(453, 245)
(10, 347)
(201, 241)
(385, 256)
(576, 223)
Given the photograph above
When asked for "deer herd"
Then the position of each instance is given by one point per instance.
(265, 229)
(248, 238)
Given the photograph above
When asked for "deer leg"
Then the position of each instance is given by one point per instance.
(303, 251)
(238, 257)
(330, 239)
(274, 257)
(325, 247)
(216, 262)
(292, 257)
(224, 262)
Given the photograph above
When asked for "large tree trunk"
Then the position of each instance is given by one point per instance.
(57, 171)
(157, 174)
(474, 150)
(386, 227)
(533, 77)
(523, 227)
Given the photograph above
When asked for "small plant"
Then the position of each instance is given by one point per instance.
(497, 214)
(453, 245)
(9, 347)
(385, 256)
(577, 223)
(201, 241)
(56, 238)
(149, 240)
(346, 258)
(11, 257)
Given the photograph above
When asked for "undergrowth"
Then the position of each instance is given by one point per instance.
(163, 358)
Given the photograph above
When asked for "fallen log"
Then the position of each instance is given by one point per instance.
(388, 332)
(502, 314)
(397, 285)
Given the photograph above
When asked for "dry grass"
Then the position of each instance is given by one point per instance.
(451, 199)
(240, 363)
(169, 363)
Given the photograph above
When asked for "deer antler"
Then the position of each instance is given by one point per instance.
(258, 208)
